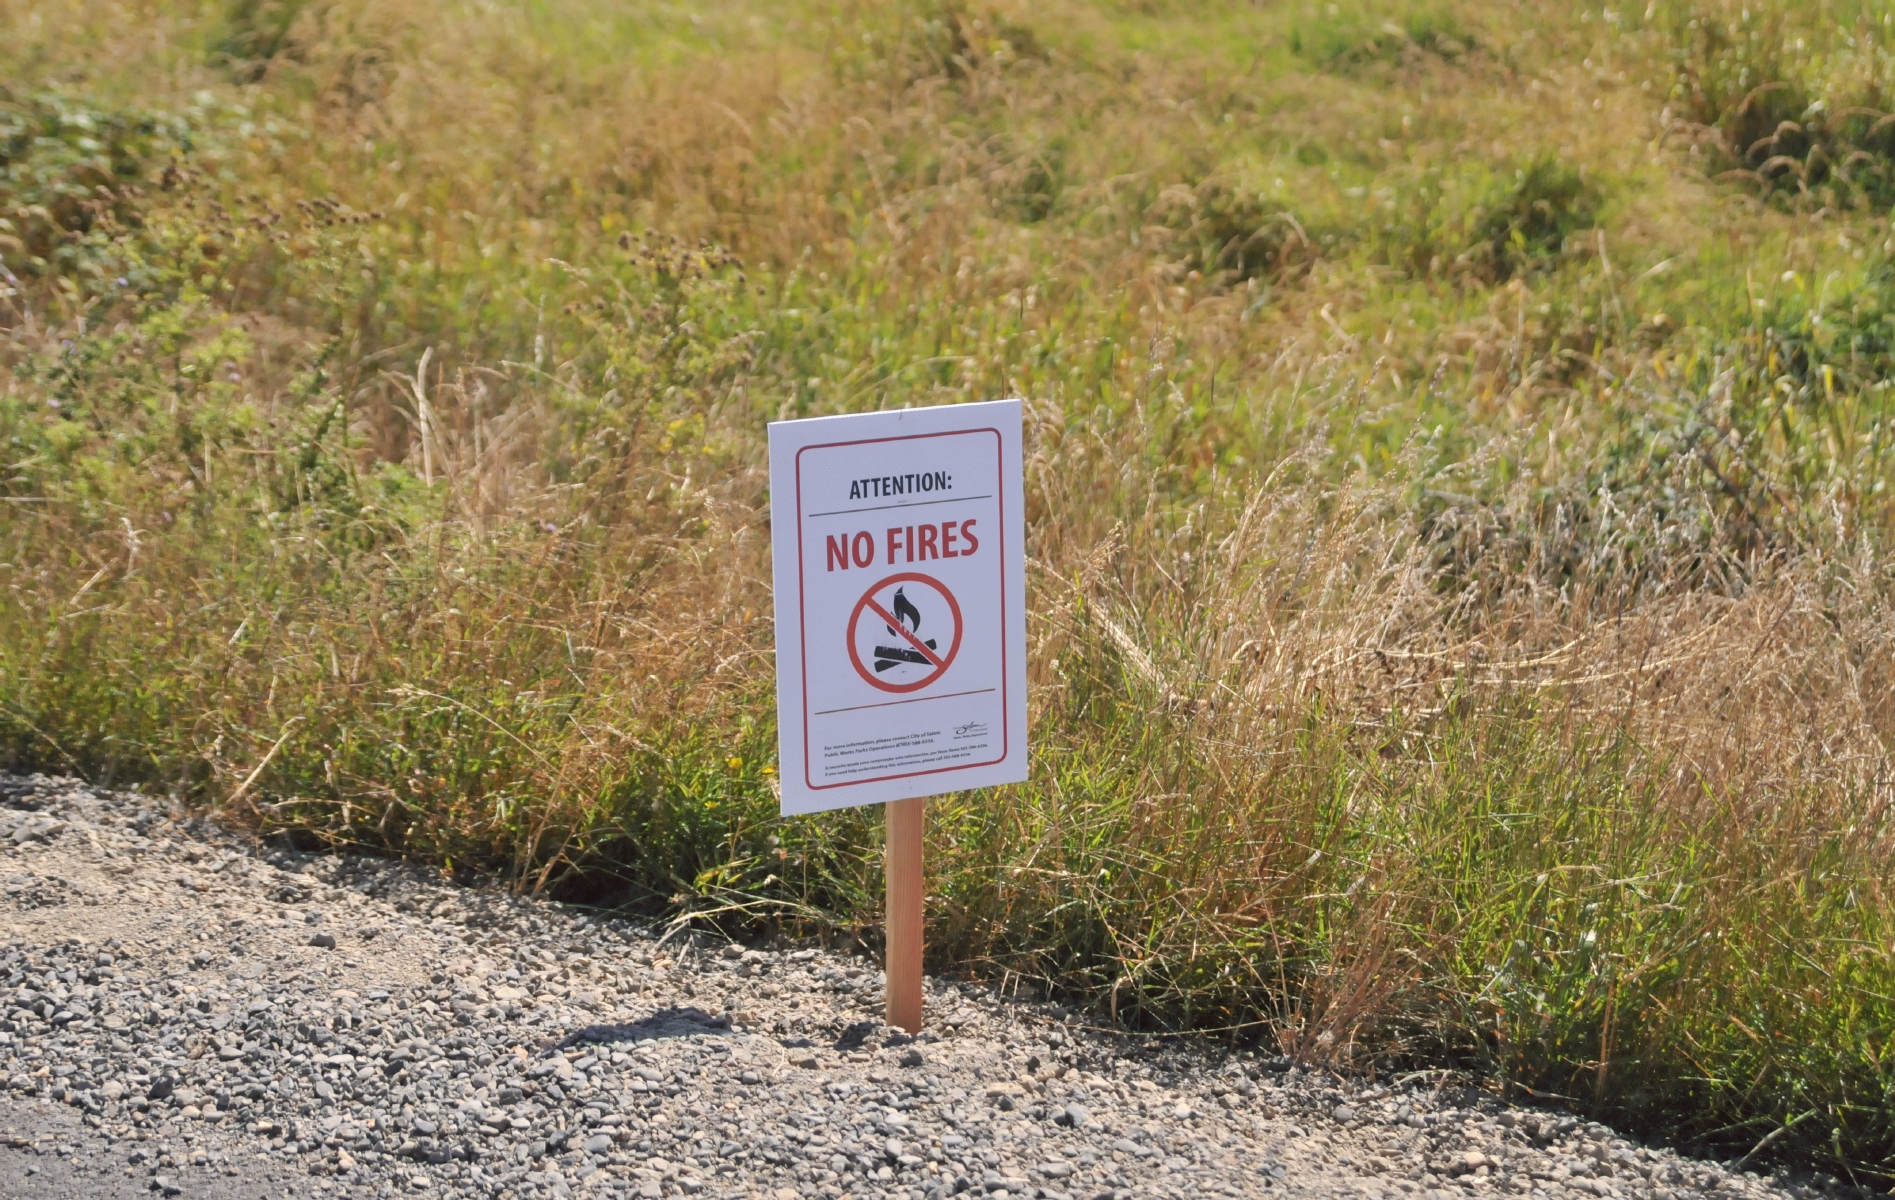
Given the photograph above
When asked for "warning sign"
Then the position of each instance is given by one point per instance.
(900, 605)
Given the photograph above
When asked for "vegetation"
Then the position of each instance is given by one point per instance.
(1459, 455)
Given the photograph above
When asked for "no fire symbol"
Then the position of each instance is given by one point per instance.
(904, 632)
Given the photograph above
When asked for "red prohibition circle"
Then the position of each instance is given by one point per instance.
(862, 605)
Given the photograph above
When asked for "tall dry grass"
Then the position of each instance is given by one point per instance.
(1457, 528)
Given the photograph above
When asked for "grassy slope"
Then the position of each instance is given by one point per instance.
(1457, 475)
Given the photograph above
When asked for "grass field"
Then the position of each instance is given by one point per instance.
(1463, 611)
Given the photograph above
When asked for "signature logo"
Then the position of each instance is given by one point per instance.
(971, 729)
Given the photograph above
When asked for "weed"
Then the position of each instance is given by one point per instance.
(1360, 37)
(1531, 221)
(256, 32)
(1794, 95)
(69, 170)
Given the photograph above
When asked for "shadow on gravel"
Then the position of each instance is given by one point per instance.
(21, 793)
(689, 1021)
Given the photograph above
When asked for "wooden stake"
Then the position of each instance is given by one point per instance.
(902, 867)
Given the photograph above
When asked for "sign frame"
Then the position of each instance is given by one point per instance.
(804, 458)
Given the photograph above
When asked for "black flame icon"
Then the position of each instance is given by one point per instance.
(910, 618)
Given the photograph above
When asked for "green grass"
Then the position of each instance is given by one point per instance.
(1457, 481)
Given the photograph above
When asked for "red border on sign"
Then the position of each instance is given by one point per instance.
(802, 612)
(866, 602)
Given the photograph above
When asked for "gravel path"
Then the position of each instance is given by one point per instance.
(182, 1013)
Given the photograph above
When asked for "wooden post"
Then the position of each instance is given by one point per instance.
(902, 867)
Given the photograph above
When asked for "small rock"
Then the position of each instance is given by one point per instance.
(1344, 1113)
(805, 1061)
(911, 1058)
(1055, 1169)
(325, 940)
(598, 1143)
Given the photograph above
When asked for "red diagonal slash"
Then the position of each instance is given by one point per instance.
(902, 629)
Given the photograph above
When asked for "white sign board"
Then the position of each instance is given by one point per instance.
(900, 604)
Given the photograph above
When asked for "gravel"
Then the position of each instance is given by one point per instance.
(183, 1012)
